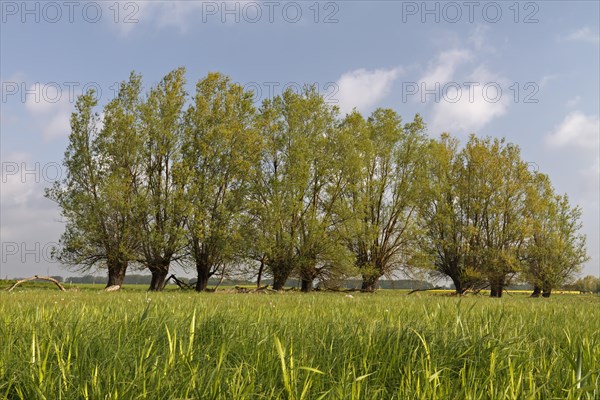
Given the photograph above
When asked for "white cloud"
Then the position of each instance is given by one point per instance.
(16, 191)
(584, 34)
(29, 220)
(53, 118)
(478, 40)
(18, 183)
(466, 101)
(172, 14)
(469, 94)
(546, 79)
(183, 15)
(579, 134)
(468, 108)
(363, 88)
(161, 14)
(52, 112)
(577, 130)
(444, 68)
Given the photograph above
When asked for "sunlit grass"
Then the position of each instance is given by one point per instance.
(388, 345)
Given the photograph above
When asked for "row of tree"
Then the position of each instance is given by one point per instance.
(587, 284)
(293, 189)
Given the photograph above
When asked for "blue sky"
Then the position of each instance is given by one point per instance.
(527, 71)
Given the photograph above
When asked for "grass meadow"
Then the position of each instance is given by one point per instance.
(89, 344)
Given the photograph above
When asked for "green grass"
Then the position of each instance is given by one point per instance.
(388, 345)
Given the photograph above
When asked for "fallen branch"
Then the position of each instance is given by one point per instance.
(41, 278)
(221, 280)
(182, 285)
(241, 289)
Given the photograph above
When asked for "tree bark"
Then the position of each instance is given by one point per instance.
(369, 283)
(159, 276)
(260, 271)
(116, 274)
(279, 281)
(537, 291)
(281, 272)
(547, 292)
(496, 289)
(203, 277)
(458, 286)
(497, 286)
(307, 285)
(43, 278)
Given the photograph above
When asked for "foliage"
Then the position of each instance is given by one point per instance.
(97, 196)
(383, 191)
(220, 153)
(486, 218)
(556, 249)
(296, 191)
(293, 198)
(446, 242)
(589, 284)
(161, 192)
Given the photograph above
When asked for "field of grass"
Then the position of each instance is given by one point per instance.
(387, 345)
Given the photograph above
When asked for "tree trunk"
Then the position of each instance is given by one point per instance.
(281, 272)
(203, 276)
(260, 272)
(458, 287)
(307, 285)
(279, 281)
(116, 274)
(547, 292)
(159, 276)
(369, 283)
(496, 289)
(537, 291)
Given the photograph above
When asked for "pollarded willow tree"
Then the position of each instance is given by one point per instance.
(473, 212)
(221, 149)
(494, 183)
(301, 192)
(383, 192)
(487, 218)
(97, 197)
(294, 193)
(446, 235)
(163, 208)
(556, 249)
(121, 173)
(321, 252)
(83, 242)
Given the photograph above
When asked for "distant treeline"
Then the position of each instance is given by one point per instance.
(130, 279)
(588, 284)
